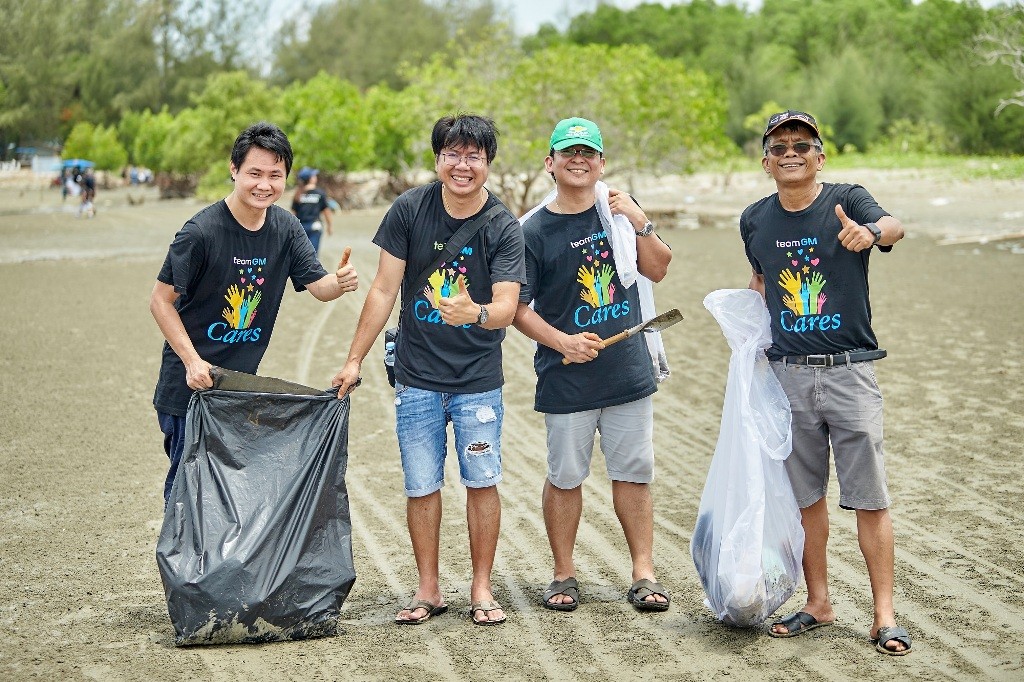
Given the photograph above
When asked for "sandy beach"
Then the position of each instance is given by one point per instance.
(82, 462)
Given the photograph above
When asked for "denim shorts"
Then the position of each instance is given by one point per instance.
(421, 420)
(627, 440)
(839, 409)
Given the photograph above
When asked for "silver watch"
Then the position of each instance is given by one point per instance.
(647, 229)
(482, 317)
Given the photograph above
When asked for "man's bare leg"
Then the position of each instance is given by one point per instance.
(819, 604)
(562, 512)
(483, 514)
(423, 516)
(875, 536)
(635, 510)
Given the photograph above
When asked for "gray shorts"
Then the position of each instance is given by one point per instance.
(841, 406)
(627, 440)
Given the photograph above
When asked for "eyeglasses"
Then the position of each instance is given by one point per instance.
(472, 160)
(585, 152)
(800, 148)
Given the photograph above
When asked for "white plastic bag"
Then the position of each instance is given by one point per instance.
(748, 543)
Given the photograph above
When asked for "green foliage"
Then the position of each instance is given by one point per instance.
(914, 137)
(966, 103)
(215, 182)
(148, 145)
(1003, 43)
(97, 144)
(107, 151)
(880, 74)
(862, 64)
(655, 114)
(367, 42)
(394, 128)
(854, 113)
(79, 142)
(328, 123)
(203, 134)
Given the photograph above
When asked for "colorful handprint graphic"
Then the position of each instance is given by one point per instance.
(242, 308)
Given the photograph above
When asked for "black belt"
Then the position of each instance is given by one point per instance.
(833, 359)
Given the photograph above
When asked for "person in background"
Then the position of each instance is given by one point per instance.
(88, 205)
(311, 206)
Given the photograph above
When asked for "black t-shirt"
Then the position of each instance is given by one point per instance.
(309, 205)
(570, 269)
(816, 289)
(430, 354)
(231, 281)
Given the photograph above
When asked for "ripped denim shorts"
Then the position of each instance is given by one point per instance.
(421, 420)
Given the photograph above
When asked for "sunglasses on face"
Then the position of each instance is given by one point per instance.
(585, 152)
(800, 148)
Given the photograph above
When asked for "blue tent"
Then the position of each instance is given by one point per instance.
(80, 163)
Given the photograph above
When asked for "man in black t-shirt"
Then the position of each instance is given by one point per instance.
(217, 295)
(809, 245)
(448, 355)
(579, 298)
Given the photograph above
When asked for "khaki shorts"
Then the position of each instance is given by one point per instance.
(839, 407)
(627, 440)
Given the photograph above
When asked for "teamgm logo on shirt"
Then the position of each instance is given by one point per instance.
(596, 277)
(243, 299)
(803, 284)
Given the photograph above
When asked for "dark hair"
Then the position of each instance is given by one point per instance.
(463, 130)
(265, 136)
(793, 127)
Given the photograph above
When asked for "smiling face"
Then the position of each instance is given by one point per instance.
(793, 167)
(463, 179)
(260, 180)
(575, 171)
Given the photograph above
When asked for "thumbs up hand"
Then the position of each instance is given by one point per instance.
(459, 309)
(348, 280)
(854, 236)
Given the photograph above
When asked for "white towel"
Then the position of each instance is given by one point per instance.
(623, 240)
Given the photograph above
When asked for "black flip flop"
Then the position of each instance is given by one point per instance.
(569, 587)
(886, 635)
(644, 588)
(796, 624)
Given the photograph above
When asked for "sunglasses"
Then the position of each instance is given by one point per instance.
(586, 153)
(800, 148)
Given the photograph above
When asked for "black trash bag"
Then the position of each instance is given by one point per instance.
(256, 544)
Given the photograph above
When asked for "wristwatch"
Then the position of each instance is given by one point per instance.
(647, 229)
(875, 230)
(482, 317)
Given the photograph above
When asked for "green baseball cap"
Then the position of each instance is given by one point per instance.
(573, 131)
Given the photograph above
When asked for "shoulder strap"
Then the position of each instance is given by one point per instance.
(454, 245)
